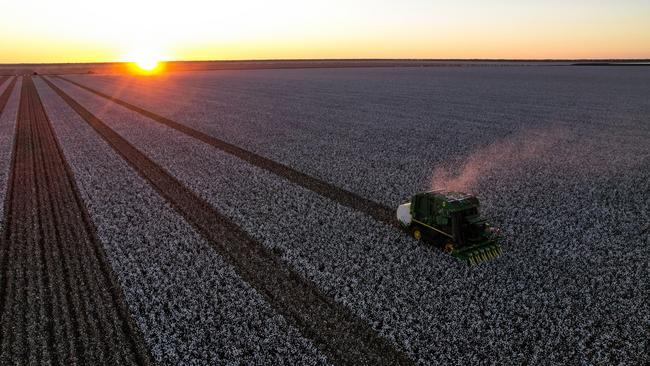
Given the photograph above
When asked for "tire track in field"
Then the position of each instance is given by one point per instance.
(59, 300)
(344, 197)
(340, 335)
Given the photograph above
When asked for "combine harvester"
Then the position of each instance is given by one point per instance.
(451, 220)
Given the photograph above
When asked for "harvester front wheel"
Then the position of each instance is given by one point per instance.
(417, 233)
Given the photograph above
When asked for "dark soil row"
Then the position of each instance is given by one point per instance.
(343, 337)
(339, 195)
(59, 300)
(7, 92)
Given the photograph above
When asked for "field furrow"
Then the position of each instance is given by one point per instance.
(190, 305)
(61, 303)
(342, 336)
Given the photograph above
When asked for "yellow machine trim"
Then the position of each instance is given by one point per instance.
(433, 228)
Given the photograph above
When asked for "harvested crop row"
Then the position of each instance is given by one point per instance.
(2, 81)
(343, 197)
(8, 110)
(5, 91)
(191, 306)
(339, 334)
(59, 301)
(576, 247)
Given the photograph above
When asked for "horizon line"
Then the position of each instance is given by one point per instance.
(352, 60)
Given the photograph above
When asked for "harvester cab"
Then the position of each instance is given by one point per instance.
(452, 221)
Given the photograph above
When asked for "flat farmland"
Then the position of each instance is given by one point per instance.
(247, 215)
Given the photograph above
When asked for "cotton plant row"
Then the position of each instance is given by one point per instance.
(7, 132)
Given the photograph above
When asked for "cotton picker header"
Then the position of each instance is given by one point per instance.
(451, 220)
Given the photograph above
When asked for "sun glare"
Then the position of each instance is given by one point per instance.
(145, 61)
(147, 64)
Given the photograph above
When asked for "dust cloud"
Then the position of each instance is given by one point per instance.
(505, 153)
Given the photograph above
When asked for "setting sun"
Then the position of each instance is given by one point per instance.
(148, 64)
(145, 60)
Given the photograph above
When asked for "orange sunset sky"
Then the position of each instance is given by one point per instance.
(33, 31)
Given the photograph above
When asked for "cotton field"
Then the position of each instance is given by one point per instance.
(248, 216)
